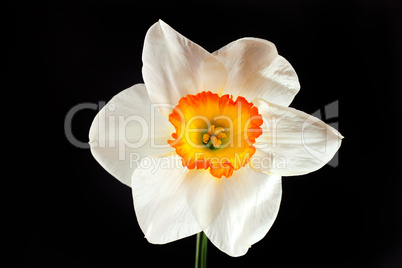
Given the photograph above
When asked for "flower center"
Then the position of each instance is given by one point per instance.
(215, 133)
(212, 139)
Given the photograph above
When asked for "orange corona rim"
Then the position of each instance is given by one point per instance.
(215, 133)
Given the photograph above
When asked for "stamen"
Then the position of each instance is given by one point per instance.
(215, 142)
(221, 136)
(214, 135)
(211, 129)
(218, 130)
(205, 138)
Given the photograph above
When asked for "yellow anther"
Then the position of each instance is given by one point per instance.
(211, 129)
(205, 138)
(218, 130)
(215, 142)
(221, 136)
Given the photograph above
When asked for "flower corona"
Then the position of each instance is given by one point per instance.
(215, 133)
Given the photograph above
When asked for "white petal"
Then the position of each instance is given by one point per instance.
(251, 204)
(174, 66)
(257, 71)
(172, 202)
(293, 142)
(126, 129)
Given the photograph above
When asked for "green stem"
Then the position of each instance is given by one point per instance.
(201, 251)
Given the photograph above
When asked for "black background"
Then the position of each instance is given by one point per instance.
(66, 211)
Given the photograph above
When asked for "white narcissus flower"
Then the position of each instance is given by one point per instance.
(205, 141)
